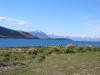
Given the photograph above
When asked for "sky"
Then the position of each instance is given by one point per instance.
(62, 17)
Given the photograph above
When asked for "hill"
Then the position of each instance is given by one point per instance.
(9, 33)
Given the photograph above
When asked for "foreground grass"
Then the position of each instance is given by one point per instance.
(63, 64)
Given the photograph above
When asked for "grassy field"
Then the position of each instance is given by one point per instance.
(79, 63)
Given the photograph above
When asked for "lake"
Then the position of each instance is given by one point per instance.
(34, 42)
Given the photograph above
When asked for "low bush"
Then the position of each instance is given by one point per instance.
(41, 57)
(70, 49)
(32, 51)
(15, 56)
(53, 49)
(7, 56)
(79, 49)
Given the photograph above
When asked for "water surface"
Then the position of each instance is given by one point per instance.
(34, 42)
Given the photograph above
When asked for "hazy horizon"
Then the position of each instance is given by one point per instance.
(79, 18)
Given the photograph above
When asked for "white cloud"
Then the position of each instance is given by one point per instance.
(93, 26)
(3, 18)
(12, 20)
(16, 21)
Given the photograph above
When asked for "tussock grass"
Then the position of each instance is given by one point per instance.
(67, 60)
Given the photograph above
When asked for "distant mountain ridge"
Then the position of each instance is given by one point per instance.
(43, 35)
(85, 39)
(9, 33)
(39, 34)
(56, 36)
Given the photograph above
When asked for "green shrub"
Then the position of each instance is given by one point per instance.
(62, 50)
(41, 49)
(96, 48)
(79, 49)
(7, 56)
(70, 49)
(41, 57)
(87, 48)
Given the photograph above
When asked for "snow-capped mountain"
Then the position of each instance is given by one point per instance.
(39, 34)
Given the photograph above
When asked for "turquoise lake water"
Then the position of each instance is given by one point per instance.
(31, 42)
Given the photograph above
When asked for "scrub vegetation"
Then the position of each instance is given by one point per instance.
(54, 60)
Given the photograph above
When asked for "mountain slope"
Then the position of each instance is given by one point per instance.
(39, 34)
(43, 35)
(9, 33)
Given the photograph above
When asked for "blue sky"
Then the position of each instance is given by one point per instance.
(61, 17)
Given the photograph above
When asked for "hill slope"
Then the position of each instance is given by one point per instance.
(9, 33)
(39, 34)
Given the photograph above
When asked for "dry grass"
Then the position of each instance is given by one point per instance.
(64, 64)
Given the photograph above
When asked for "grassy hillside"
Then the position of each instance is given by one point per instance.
(60, 63)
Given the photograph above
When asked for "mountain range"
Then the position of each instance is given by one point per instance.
(9, 33)
(39, 34)
(43, 35)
